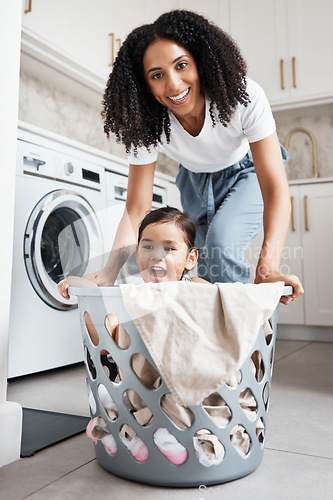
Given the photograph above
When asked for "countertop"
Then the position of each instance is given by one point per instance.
(311, 180)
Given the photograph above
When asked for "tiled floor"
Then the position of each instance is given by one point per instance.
(298, 462)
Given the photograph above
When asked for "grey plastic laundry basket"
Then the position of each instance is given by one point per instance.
(157, 470)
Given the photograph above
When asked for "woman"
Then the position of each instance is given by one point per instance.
(178, 86)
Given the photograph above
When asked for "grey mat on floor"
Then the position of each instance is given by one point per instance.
(41, 428)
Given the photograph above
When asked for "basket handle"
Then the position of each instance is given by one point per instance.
(288, 290)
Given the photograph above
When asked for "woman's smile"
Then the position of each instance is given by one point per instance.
(180, 97)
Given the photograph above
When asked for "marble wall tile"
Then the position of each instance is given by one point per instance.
(70, 114)
(319, 121)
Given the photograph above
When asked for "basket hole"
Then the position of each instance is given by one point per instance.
(241, 440)
(134, 443)
(137, 407)
(248, 403)
(91, 400)
(110, 368)
(257, 365)
(91, 329)
(272, 358)
(180, 415)
(260, 431)
(268, 331)
(265, 395)
(208, 448)
(171, 448)
(145, 372)
(217, 409)
(91, 366)
(97, 430)
(117, 331)
(107, 402)
(235, 379)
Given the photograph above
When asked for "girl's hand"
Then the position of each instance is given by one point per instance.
(289, 279)
(96, 278)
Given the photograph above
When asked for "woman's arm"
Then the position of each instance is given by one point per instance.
(138, 202)
(273, 182)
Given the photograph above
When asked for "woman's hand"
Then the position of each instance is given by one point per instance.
(289, 279)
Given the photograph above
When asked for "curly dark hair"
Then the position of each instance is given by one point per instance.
(133, 114)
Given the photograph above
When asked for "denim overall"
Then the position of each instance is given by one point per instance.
(228, 207)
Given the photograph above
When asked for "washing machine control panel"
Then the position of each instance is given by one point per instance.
(43, 162)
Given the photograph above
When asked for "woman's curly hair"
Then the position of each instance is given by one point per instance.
(133, 114)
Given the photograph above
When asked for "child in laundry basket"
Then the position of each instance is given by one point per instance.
(165, 252)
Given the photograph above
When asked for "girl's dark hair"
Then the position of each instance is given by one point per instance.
(133, 114)
(184, 221)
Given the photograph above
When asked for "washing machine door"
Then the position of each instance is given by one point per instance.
(63, 237)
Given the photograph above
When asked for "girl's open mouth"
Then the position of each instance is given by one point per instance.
(157, 272)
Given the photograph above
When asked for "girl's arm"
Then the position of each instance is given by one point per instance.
(275, 192)
(139, 200)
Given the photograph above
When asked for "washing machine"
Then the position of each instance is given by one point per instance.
(59, 207)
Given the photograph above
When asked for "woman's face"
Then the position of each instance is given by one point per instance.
(162, 254)
(171, 75)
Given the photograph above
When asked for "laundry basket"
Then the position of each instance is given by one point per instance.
(156, 469)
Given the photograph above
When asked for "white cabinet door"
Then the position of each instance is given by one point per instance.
(317, 221)
(292, 261)
(308, 254)
(76, 29)
(310, 43)
(286, 45)
(255, 26)
(215, 10)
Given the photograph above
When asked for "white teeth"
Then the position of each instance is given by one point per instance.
(181, 96)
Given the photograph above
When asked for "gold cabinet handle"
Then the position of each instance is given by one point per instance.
(281, 73)
(28, 9)
(306, 213)
(292, 214)
(118, 40)
(293, 63)
(119, 43)
(112, 48)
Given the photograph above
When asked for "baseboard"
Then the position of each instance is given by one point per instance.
(305, 332)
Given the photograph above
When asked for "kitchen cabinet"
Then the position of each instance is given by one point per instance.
(308, 254)
(80, 38)
(285, 43)
(74, 31)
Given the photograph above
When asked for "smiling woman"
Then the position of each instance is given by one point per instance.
(178, 86)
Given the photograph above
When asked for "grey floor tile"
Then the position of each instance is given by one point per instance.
(301, 407)
(62, 390)
(285, 347)
(280, 476)
(27, 475)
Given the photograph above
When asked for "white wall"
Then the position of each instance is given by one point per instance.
(10, 36)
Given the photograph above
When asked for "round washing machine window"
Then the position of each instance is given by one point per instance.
(62, 237)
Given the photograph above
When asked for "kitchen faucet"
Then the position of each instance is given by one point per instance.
(314, 145)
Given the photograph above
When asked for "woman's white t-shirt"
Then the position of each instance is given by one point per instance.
(215, 147)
